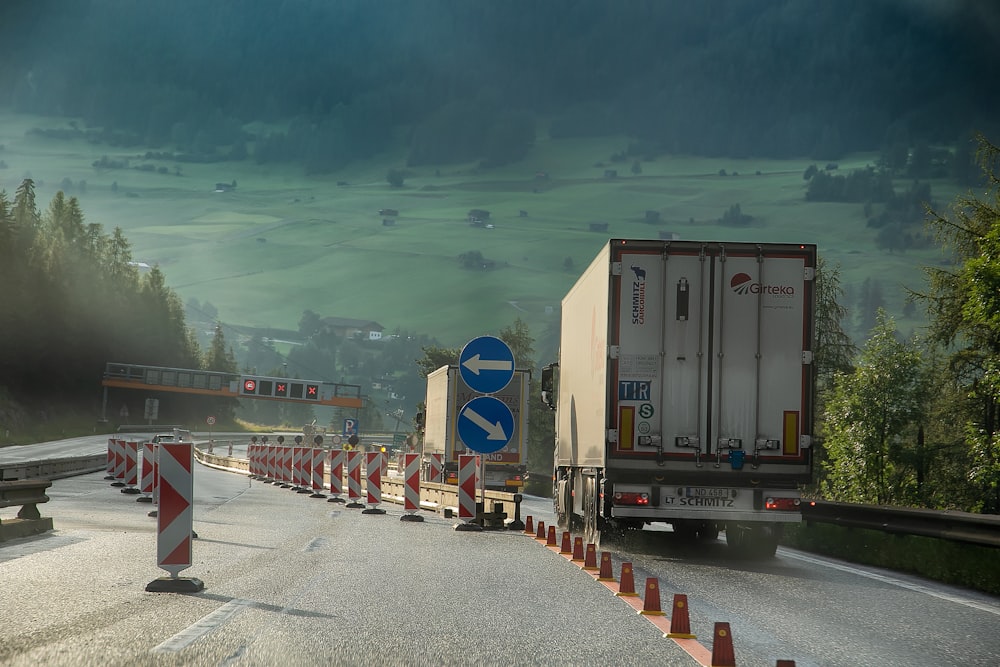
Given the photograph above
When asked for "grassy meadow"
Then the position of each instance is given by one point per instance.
(283, 242)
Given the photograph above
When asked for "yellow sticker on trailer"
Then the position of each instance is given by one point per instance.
(626, 427)
(790, 442)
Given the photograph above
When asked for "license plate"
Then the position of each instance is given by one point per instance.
(703, 492)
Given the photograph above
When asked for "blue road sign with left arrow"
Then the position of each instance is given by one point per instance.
(485, 424)
(486, 364)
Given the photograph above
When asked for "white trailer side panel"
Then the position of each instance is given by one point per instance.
(583, 368)
(439, 410)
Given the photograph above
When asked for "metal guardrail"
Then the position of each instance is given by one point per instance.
(964, 527)
(26, 494)
(52, 468)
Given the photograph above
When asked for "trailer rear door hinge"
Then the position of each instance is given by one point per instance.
(614, 351)
(613, 435)
(616, 268)
(807, 357)
(809, 273)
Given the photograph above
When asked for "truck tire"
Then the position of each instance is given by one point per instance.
(562, 502)
(591, 527)
(753, 541)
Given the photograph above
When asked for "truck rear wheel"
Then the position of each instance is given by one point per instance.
(755, 541)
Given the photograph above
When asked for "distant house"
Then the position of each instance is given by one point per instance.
(388, 212)
(225, 187)
(478, 214)
(670, 236)
(351, 328)
(610, 173)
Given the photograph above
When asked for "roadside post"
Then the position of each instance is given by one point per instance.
(174, 521)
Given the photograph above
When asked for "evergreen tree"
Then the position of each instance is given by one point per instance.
(963, 305)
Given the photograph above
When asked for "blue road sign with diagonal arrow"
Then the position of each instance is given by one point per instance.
(486, 364)
(485, 424)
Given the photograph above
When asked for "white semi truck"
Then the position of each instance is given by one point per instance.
(447, 394)
(684, 390)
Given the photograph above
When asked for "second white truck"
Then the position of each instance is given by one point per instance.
(684, 390)
(447, 393)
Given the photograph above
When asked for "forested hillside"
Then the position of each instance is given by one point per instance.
(328, 82)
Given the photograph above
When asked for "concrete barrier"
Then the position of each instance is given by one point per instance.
(26, 494)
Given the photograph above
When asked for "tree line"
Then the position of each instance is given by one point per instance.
(73, 300)
(334, 82)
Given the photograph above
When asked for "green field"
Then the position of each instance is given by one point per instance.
(283, 242)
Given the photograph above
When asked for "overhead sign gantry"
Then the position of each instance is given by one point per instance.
(229, 385)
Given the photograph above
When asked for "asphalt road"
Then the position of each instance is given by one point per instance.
(292, 580)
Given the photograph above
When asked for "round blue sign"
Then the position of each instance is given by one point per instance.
(486, 364)
(485, 424)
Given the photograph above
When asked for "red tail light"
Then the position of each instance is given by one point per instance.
(629, 498)
(782, 503)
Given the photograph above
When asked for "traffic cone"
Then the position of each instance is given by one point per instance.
(540, 534)
(606, 573)
(578, 549)
(626, 587)
(550, 540)
(651, 600)
(590, 560)
(722, 647)
(529, 526)
(680, 623)
(565, 548)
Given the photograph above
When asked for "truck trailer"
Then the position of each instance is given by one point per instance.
(684, 391)
(447, 394)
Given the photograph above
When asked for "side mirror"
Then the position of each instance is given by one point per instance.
(549, 386)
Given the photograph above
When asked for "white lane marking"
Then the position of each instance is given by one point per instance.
(917, 588)
(202, 627)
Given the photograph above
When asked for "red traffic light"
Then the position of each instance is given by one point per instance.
(312, 391)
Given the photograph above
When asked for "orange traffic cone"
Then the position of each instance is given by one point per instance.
(680, 623)
(722, 647)
(529, 526)
(590, 560)
(606, 573)
(578, 549)
(540, 534)
(651, 600)
(626, 587)
(550, 540)
(565, 548)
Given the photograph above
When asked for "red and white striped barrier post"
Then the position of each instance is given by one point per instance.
(373, 467)
(411, 487)
(296, 464)
(272, 474)
(435, 468)
(131, 468)
(336, 475)
(468, 473)
(146, 479)
(119, 463)
(283, 462)
(316, 469)
(112, 446)
(354, 479)
(174, 522)
(305, 479)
